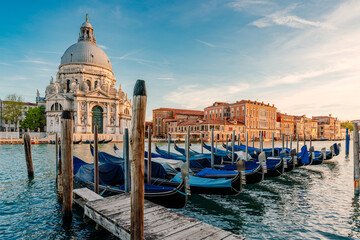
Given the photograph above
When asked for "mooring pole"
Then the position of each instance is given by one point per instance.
(347, 143)
(227, 142)
(233, 148)
(287, 141)
(273, 145)
(57, 158)
(187, 147)
(169, 140)
(310, 141)
(261, 142)
(149, 157)
(126, 160)
(238, 140)
(247, 143)
(67, 163)
(283, 141)
(202, 143)
(96, 160)
(297, 143)
(137, 150)
(304, 139)
(212, 148)
(253, 141)
(216, 142)
(28, 157)
(291, 139)
(356, 158)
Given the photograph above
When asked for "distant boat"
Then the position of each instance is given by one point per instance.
(77, 142)
(107, 141)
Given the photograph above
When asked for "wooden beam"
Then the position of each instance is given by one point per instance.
(28, 157)
(96, 160)
(67, 163)
(137, 149)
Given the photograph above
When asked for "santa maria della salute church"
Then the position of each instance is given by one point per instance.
(85, 84)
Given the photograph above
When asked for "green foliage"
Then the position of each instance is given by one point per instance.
(347, 124)
(13, 108)
(35, 118)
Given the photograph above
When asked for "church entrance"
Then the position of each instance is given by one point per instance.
(97, 118)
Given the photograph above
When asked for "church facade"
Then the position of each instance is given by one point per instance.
(85, 84)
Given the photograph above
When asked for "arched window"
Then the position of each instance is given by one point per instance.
(68, 85)
(96, 83)
(56, 107)
(71, 57)
(89, 84)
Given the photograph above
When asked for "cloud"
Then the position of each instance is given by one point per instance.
(5, 64)
(37, 61)
(206, 43)
(166, 78)
(284, 18)
(126, 55)
(242, 4)
(103, 47)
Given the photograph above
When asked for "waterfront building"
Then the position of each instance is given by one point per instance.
(85, 84)
(163, 117)
(285, 124)
(328, 127)
(222, 128)
(303, 125)
(217, 111)
(314, 129)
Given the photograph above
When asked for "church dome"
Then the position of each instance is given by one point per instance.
(86, 50)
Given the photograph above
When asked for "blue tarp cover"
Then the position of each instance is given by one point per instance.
(109, 174)
(304, 155)
(205, 182)
(209, 171)
(150, 188)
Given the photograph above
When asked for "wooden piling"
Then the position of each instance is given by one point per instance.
(347, 143)
(297, 143)
(126, 160)
(304, 139)
(28, 157)
(253, 140)
(227, 142)
(56, 158)
(246, 147)
(216, 142)
(291, 139)
(202, 143)
(356, 158)
(169, 141)
(149, 157)
(238, 140)
(96, 160)
(212, 148)
(273, 146)
(67, 163)
(310, 141)
(187, 147)
(283, 141)
(233, 147)
(261, 142)
(137, 149)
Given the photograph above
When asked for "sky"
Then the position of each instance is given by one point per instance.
(303, 56)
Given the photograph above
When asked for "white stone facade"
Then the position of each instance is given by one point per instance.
(85, 84)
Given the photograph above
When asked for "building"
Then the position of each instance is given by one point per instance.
(328, 127)
(314, 129)
(85, 84)
(164, 117)
(285, 124)
(222, 129)
(303, 125)
(11, 126)
(218, 111)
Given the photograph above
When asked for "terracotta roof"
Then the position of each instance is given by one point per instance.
(216, 104)
(181, 111)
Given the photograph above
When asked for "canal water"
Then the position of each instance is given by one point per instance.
(312, 202)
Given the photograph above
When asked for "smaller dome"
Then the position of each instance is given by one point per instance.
(86, 24)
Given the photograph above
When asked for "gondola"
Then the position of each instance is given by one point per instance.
(198, 185)
(107, 141)
(251, 150)
(77, 142)
(88, 142)
(111, 183)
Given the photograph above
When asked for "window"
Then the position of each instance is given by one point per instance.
(56, 107)
(68, 82)
(96, 83)
(89, 84)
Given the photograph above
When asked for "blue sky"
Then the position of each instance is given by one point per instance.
(302, 56)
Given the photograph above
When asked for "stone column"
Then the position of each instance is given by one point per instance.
(117, 120)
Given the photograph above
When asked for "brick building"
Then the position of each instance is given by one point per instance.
(219, 111)
(163, 117)
(222, 128)
(328, 127)
(285, 124)
(303, 125)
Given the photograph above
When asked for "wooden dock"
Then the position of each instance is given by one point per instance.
(113, 213)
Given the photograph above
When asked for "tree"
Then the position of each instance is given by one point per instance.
(347, 124)
(13, 109)
(35, 118)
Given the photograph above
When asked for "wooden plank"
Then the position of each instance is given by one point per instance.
(195, 232)
(219, 234)
(86, 194)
